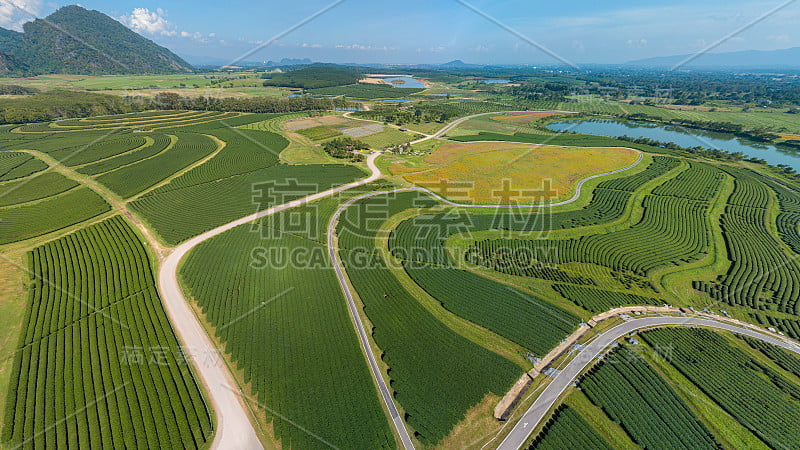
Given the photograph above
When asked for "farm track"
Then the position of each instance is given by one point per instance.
(233, 421)
(539, 409)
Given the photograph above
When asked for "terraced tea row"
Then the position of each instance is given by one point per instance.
(762, 275)
(271, 295)
(436, 374)
(97, 364)
(636, 397)
(567, 429)
(754, 395)
(512, 313)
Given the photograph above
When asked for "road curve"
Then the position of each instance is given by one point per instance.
(234, 429)
(538, 411)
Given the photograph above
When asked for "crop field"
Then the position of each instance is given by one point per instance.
(419, 244)
(302, 122)
(789, 326)
(567, 429)
(634, 395)
(760, 399)
(15, 165)
(146, 123)
(129, 180)
(223, 188)
(34, 188)
(97, 82)
(672, 231)
(159, 143)
(787, 361)
(319, 133)
(500, 173)
(437, 374)
(51, 214)
(762, 275)
(524, 118)
(599, 300)
(97, 363)
(287, 328)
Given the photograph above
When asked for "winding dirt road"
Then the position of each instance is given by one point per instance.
(234, 429)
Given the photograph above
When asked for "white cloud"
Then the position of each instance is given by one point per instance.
(438, 49)
(307, 45)
(142, 20)
(14, 13)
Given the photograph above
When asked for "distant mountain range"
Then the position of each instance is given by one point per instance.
(789, 57)
(74, 40)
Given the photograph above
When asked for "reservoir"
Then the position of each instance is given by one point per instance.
(685, 137)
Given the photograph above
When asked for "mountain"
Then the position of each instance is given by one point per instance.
(74, 40)
(789, 57)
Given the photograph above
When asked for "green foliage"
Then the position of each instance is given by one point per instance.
(627, 388)
(59, 104)
(75, 40)
(567, 429)
(35, 187)
(745, 389)
(437, 374)
(15, 165)
(312, 77)
(599, 300)
(54, 213)
(422, 112)
(93, 310)
(13, 89)
(762, 275)
(287, 327)
(788, 361)
(241, 179)
(419, 243)
(367, 91)
(130, 180)
(344, 147)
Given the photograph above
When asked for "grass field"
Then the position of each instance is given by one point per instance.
(501, 173)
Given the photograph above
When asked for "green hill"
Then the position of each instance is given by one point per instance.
(74, 40)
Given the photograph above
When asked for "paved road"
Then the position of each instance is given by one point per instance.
(538, 411)
(388, 400)
(234, 429)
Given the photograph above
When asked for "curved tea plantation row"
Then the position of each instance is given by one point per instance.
(635, 396)
(270, 293)
(97, 364)
(762, 400)
(437, 375)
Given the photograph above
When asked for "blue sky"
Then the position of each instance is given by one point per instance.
(435, 31)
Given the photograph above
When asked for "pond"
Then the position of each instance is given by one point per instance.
(685, 137)
(404, 82)
(496, 81)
